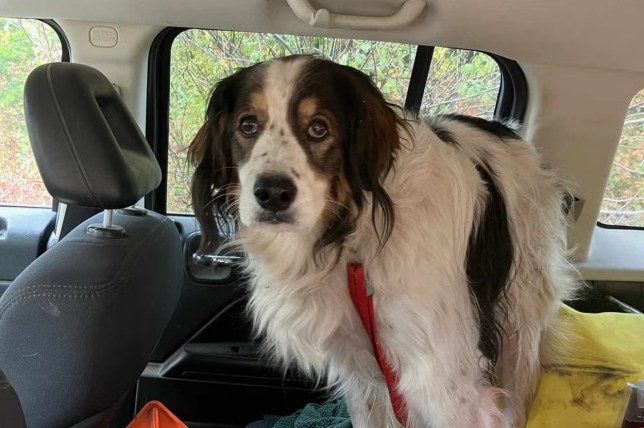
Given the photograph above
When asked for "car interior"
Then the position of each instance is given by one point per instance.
(100, 100)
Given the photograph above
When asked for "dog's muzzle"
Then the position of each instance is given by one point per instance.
(275, 194)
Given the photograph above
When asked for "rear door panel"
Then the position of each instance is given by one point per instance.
(207, 368)
(24, 233)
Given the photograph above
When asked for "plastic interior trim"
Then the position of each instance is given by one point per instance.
(408, 12)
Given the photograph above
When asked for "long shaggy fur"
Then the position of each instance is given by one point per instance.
(460, 230)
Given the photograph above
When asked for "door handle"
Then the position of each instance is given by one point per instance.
(216, 260)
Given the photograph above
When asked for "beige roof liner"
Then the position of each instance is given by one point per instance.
(584, 33)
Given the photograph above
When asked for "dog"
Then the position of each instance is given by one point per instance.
(459, 229)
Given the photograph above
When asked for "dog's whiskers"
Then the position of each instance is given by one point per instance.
(332, 212)
(337, 203)
(222, 193)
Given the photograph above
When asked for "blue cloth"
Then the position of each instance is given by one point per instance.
(329, 415)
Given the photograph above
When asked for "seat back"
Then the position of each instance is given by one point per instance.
(78, 326)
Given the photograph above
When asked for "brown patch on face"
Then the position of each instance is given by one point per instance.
(325, 157)
(324, 154)
(308, 107)
(338, 200)
(337, 219)
(256, 106)
(258, 101)
(339, 193)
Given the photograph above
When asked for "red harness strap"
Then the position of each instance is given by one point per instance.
(363, 302)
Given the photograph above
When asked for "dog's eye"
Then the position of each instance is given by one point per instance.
(248, 126)
(317, 130)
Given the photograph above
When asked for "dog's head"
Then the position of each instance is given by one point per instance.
(294, 144)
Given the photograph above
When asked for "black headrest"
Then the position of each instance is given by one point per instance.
(88, 148)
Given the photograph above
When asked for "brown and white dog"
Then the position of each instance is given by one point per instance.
(459, 229)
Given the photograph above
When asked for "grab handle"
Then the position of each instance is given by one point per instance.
(409, 11)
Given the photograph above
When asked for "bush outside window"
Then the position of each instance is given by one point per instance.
(623, 203)
(24, 45)
(459, 81)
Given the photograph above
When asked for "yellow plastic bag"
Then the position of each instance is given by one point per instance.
(589, 388)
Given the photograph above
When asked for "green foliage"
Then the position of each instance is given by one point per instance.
(24, 44)
(624, 197)
(460, 81)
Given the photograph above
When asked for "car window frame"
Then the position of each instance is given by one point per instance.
(618, 226)
(511, 102)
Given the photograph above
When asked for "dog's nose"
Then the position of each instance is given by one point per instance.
(274, 192)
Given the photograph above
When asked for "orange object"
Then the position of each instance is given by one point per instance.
(156, 415)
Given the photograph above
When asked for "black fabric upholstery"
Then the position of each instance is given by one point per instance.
(78, 326)
(89, 150)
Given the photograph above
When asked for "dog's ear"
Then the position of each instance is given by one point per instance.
(373, 138)
(210, 153)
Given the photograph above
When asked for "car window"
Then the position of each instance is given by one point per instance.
(459, 81)
(623, 203)
(24, 45)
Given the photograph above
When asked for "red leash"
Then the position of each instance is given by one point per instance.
(363, 302)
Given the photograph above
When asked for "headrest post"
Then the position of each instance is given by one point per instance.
(107, 219)
(108, 229)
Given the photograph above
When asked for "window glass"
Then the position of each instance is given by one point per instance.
(461, 81)
(623, 203)
(24, 45)
(200, 58)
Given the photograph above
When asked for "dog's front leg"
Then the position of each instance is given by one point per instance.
(369, 407)
(355, 372)
(520, 370)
